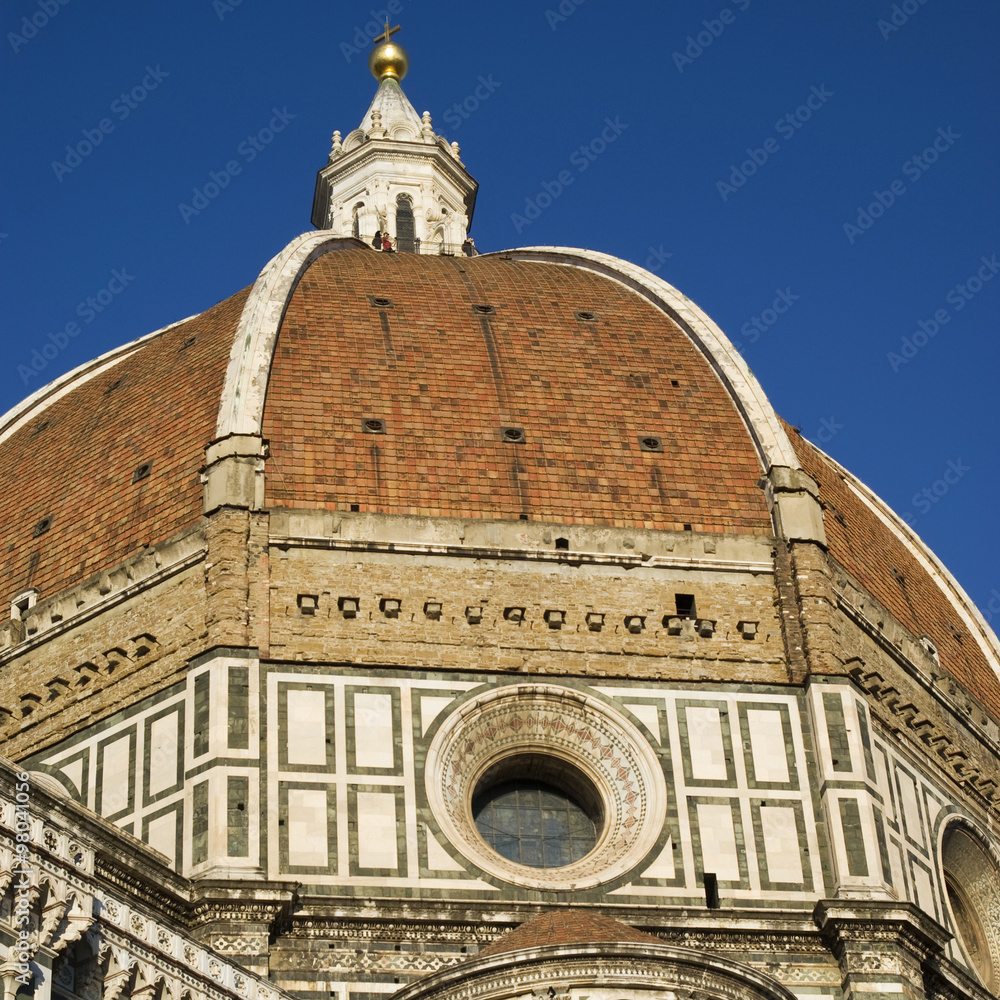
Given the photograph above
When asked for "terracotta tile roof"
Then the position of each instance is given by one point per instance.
(567, 926)
(884, 566)
(74, 460)
(446, 378)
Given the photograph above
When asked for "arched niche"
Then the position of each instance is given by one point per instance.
(972, 884)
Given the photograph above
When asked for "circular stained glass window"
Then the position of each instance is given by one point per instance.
(538, 811)
(534, 824)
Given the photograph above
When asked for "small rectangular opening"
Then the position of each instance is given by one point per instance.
(711, 891)
(22, 604)
(685, 605)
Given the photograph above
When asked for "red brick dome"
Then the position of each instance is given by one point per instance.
(501, 388)
(548, 385)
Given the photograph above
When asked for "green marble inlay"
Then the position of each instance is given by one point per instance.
(850, 819)
(238, 808)
(883, 848)
(202, 693)
(199, 823)
(836, 727)
(866, 742)
(239, 708)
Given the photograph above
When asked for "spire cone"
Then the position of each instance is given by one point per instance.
(394, 174)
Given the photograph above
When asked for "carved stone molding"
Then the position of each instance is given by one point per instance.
(880, 944)
(602, 970)
(567, 726)
(73, 898)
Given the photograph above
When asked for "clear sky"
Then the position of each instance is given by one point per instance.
(820, 178)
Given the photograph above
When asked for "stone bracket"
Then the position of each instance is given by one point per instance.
(793, 498)
(234, 472)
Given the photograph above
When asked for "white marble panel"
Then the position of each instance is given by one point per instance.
(663, 866)
(718, 841)
(706, 746)
(306, 735)
(431, 706)
(781, 844)
(114, 776)
(648, 715)
(923, 889)
(373, 735)
(307, 827)
(377, 830)
(74, 771)
(162, 834)
(163, 753)
(438, 859)
(767, 743)
(911, 808)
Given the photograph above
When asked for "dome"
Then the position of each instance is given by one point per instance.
(567, 927)
(544, 385)
(384, 626)
(151, 403)
(455, 355)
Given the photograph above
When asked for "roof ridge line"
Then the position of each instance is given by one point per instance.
(967, 609)
(19, 414)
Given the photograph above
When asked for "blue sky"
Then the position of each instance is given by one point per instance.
(838, 160)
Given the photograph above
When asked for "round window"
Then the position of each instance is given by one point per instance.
(545, 787)
(538, 811)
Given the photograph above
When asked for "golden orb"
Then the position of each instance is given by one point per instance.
(388, 60)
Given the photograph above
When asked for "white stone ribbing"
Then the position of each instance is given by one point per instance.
(964, 606)
(19, 415)
(241, 407)
(769, 437)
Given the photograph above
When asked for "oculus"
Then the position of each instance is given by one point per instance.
(538, 811)
(546, 787)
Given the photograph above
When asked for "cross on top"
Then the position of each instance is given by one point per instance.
(384, 37)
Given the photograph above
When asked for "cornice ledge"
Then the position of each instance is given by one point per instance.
(656, 966)
(574, 558)
(865, 920)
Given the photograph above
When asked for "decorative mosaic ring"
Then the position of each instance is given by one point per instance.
(578, 741)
